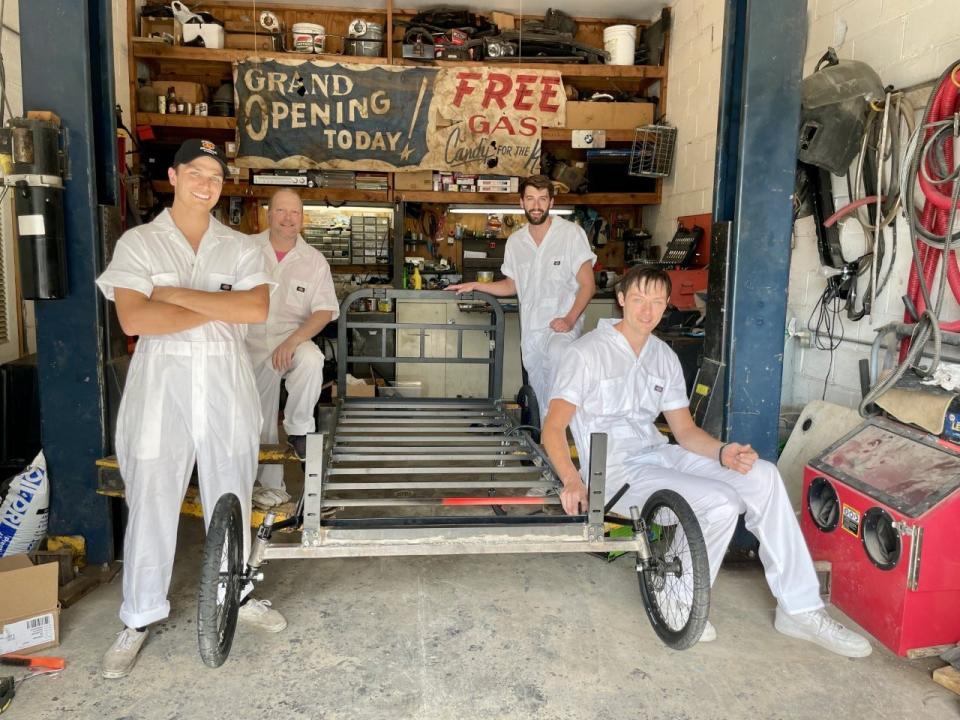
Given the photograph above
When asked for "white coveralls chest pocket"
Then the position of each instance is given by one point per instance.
(298, 296)
(222, 282)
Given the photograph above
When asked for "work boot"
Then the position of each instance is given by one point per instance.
(820, 628)
(266, 498)
(259, 614)
(119, 660)
(299, 445)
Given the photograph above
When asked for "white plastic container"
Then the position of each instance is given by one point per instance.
(309, 37)
(621, 42)
(211, 33)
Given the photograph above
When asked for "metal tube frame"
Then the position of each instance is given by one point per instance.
(366, 445)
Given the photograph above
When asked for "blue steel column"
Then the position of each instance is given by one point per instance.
(73, 76)
(756, 159)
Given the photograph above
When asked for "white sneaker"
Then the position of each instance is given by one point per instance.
(259, 614)
(709, 633)
(266, 498)
(820, 628)
(119, 660)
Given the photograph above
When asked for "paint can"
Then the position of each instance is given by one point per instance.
(309, 37)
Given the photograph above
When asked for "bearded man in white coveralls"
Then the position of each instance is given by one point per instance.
(616, 380)
(548, 265)
(281, 348)
(187, 286)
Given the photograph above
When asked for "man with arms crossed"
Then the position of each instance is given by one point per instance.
(187, 286)
(616, 380)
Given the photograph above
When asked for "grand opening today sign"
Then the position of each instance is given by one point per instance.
(315, 114)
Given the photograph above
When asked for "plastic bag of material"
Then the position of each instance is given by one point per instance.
(23, 512)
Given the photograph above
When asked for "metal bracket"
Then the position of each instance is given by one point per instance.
(313, 486)
(597, 486)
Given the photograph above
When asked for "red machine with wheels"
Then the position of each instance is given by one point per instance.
(882, 506)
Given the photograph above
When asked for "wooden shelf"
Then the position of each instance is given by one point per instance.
(565, 135)
(359, 269)
(337, 195)
(473, 198)
(247, 190)
(162, 51)
(187, 121)
(230, 123)
(651, 73)
(622, 73)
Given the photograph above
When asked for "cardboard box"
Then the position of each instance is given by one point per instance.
(29, 611)
(162, 26)
(368, 389)
(607, 115)
(504, 21)
(186, 91)
(253, 41)
(419, 180)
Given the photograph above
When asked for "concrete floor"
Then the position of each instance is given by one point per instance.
(550, 636)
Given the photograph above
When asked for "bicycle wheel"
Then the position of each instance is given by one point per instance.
(675, 581)
(218, 600)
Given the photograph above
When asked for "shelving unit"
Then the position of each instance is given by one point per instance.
(230, 124)
(210, 66)
(249, 190)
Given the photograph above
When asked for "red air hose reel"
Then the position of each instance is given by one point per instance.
(935, 215)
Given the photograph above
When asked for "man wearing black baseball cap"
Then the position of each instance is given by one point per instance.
(187, 286)
(197, 148)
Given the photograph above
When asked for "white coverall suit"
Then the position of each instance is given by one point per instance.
(546, 280)
(189, 397)
(304, 286)
(617, 393)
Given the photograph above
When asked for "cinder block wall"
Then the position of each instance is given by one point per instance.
(693, 97)
(907, 42)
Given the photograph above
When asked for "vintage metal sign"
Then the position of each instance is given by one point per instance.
(315, 114)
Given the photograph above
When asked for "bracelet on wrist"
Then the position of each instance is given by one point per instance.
(720, 454)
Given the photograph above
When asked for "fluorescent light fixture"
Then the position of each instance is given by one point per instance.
(513, 210)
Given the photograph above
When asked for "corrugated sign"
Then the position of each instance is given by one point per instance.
(315, 114)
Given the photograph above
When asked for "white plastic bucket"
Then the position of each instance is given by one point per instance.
(620, 41)
(309, 37)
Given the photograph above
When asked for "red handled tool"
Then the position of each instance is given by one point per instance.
(34, 661)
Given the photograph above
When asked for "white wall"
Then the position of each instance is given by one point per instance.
(693, 98)
(907, 42)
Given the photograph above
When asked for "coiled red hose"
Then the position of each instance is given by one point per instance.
(937, 206)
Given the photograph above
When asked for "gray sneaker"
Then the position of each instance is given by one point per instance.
(119, 660)
(266, 498)
(820, 628)
(259, 614)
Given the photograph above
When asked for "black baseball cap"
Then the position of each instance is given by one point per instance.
(195, 148)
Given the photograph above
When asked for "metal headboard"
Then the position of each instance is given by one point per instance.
(496, 327)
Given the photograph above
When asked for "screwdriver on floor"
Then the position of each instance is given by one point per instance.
(34, 661)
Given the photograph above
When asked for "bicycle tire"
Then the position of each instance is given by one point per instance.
(677, 624)
(218, 598)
